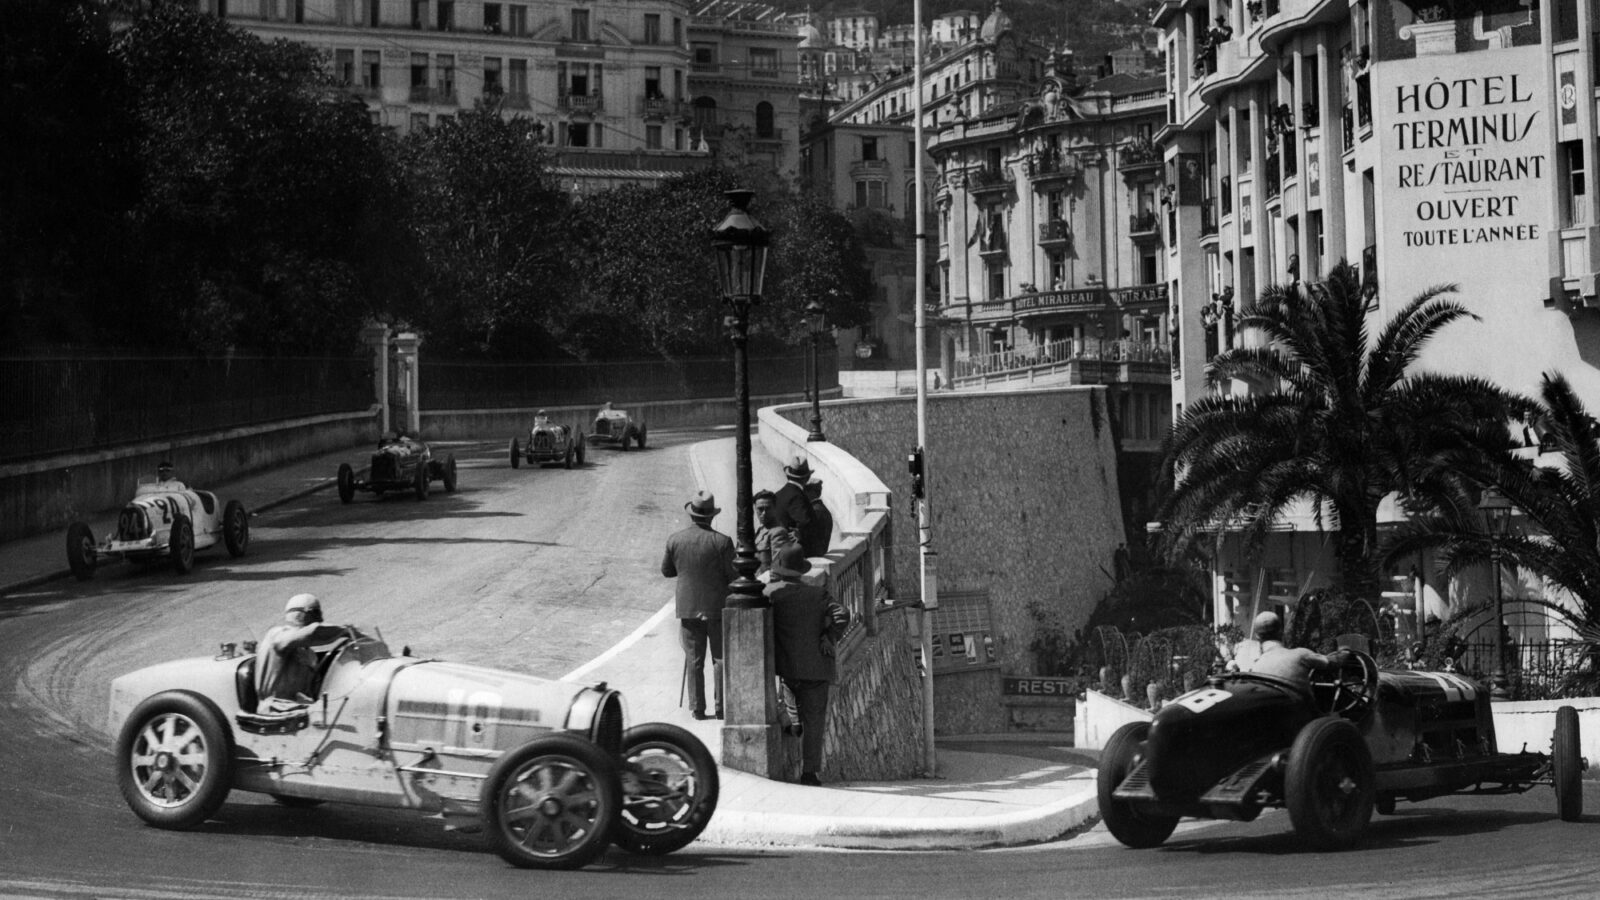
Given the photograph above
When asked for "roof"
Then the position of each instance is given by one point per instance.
(1123, 83)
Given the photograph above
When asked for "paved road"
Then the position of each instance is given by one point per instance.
(539, 571)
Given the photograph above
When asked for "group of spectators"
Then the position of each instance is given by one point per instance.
(793, 524)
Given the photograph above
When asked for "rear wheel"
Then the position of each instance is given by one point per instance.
(551, 803)
(236, 528)
(583, 444)
(1121, 755)
(421, 485)
(173, 759)
(80, 551)
(671, 789)
(516, 454)
(450, 474)
(1567, 761)
(181, 548)
(641, 437)
(347, 483)
(567, 460)
(1330, 785)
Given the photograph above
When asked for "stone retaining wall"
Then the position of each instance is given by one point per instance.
(43, 495)
(488, 424)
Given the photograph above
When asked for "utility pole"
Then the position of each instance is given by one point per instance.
(928, 558)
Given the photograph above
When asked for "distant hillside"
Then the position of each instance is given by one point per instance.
(1092, 28)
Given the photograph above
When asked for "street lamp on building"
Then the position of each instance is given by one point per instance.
(817, 321)
(1497, 512)
(740, 245)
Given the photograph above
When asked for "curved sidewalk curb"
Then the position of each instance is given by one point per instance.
(1045, 823)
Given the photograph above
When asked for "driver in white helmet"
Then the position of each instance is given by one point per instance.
(285, 660)
(1292, 664)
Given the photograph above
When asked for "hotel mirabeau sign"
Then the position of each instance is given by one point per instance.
(1465, 173)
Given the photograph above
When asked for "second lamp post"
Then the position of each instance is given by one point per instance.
(817, 321)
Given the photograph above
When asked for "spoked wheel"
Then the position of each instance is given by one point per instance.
(236, 529)
(450, 474)
(1330, 786)
(551, 803)
(670, 789)
(182, 546)
(516, 454)
(1128, 825)
(421, 480)
(1567, 763)
(347, 483)
(80, 551)
(173, 759)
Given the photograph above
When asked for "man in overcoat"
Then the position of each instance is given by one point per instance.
(702, 561)
(807, 624)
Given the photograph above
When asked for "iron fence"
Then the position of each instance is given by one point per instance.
(454, 384)
(1535, 670)
(64, 404)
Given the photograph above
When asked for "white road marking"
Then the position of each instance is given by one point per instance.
(625, 643)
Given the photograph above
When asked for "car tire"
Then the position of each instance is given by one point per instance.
(1384, 804)
(174, 756)
(347, 483)
(626, 440)
(236, 529)
(1127, 824)
(421, 486)
(641, 437)
(583, 445)
(1330, 786)
(181, 546)
(450, 474)
(81, 554)
(1566, 761)
(551, 803)
(516, 454)
(672, 787)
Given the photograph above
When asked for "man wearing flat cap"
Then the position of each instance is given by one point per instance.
(806, 625)
(791, 507)
(1292, 664)
(702, 561)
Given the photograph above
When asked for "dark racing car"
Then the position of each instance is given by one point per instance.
(1360, 739)
(549, 443)
(401, 463)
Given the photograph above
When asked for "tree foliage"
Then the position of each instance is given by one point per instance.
(1332, 417)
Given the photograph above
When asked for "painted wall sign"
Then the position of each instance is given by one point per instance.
(1037, 687)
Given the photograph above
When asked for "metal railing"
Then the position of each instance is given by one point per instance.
(63, 404)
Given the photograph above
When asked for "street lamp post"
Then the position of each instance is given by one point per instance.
(750, 741)
(817, 321)
(1497, 511)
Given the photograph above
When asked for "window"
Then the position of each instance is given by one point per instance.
(652, 137)
(869, 148)
(705, 54)
(580, 24)
(419, 12)
(447, 15)
(1573, 202)
(652, 28)
(705, 112)
(419, 122)
(1566, 20)
(997, 291)
(447, 78)
(677, 138)
(764, 127)
(1245, 141)
(374, 10)
(677, 32)
(652, 82)
(578, 85)
(577, 134)
(344, 67)
(517, 23)
(491, 76)
(419, 72)
(371, 69)
(764, 62)
(491, 18)
(517, 85)
(861, 195)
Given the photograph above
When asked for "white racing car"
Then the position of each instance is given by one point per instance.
(165, 520)
(546, 768)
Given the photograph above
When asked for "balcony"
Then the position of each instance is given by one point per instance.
(1055, 235)
(1088, 361)
(658, 108)
(1139, 156)
(989, 182)
(1142, 225)
(1051, 169)
(582, 103)
(1208, 216)
(1347, 119)
(516, 100)
(436, 96)
(861, 167)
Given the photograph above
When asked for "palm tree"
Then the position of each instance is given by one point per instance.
(1332, 416)
(1561, 503)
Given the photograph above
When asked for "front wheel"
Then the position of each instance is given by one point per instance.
(173, 760)
(670, 789)
(583, 443)
(1130, 826)
(516, 454)
(181, 547)
(450, 474)
(1330, 787)
(80, 551)
(551, 803)
(347, 483)
(641, 437)
(236, 529)
(1566, 759)
(421, 481)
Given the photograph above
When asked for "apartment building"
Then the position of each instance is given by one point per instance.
(744, 81)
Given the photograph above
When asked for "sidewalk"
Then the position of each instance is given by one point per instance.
(990, 791)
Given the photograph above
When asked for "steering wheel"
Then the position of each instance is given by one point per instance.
(1348, 690)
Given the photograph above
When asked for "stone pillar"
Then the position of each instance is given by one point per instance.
(376, 336)
(406, 344)
(750, 739)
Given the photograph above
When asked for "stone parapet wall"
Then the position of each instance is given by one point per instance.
(489, 424)
(43, 495)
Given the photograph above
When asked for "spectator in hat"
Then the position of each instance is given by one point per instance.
(769, 534)
(818, 530)
(702, 561)
(790, 506)
(807, 623)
